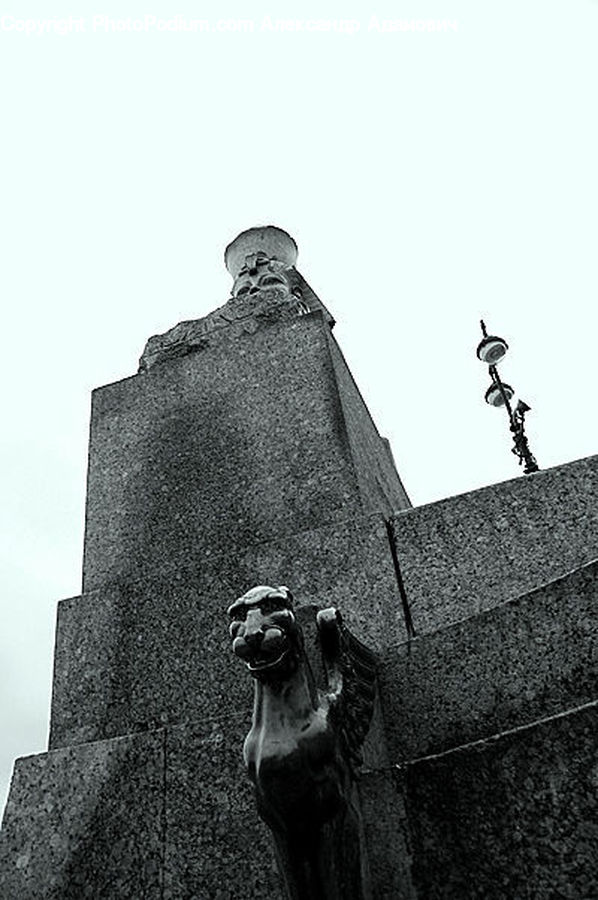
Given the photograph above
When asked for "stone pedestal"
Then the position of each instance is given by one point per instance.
(244, 443)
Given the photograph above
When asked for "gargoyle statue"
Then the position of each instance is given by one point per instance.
(304, 744)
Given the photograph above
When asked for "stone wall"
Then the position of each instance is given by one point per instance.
(466, 554)
(515, 817)
(524, 660)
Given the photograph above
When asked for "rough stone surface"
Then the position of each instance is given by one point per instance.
(168, 814)
(216, 846)
(171, 814)
(183, 463)
(515, 817)
(86, 822)
(379, 483)
(142, 656)
(237, 318)
(347, 565)
(387, 836)
(466, 554)
(153, 652)
(522, 661)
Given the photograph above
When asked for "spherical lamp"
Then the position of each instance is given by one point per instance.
(492, 349)
(495, 397)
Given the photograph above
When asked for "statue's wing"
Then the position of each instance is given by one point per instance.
(351, 672)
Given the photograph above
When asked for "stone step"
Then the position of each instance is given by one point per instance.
(156, 651)
(165, 814)
(521, 661)
(469, 553)
(514, 817)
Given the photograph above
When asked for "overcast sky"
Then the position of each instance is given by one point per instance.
(430, 177)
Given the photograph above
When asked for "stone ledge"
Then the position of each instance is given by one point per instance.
(469, 553)
(161, 815)
(69, 832)
(513, 816)
(521, 661)
(156, 651)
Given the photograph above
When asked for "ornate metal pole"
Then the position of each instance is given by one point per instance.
(491, 350)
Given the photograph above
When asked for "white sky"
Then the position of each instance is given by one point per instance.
(429, 178)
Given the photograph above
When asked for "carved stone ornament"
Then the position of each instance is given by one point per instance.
(303, 749)
(266, 288)
(244, 314)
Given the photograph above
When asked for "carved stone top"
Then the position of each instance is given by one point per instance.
(264, 241)
(266, 288)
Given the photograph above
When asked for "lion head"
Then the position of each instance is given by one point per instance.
(265, 632)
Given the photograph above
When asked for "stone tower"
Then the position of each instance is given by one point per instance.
(240, 454)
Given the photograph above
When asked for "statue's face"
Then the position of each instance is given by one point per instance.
(261, 275)
(265, 633)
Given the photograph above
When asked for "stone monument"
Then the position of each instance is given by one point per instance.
(424, 719)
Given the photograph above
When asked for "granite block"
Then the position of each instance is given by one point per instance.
(150, 653)
(86, 822)
(141, 656)
(524, 660)
(468, 553)
(380, 487)
(216, 845)
(347, 564)
(169, 814)
(387, 836)
(218, 450)
(512, 817)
